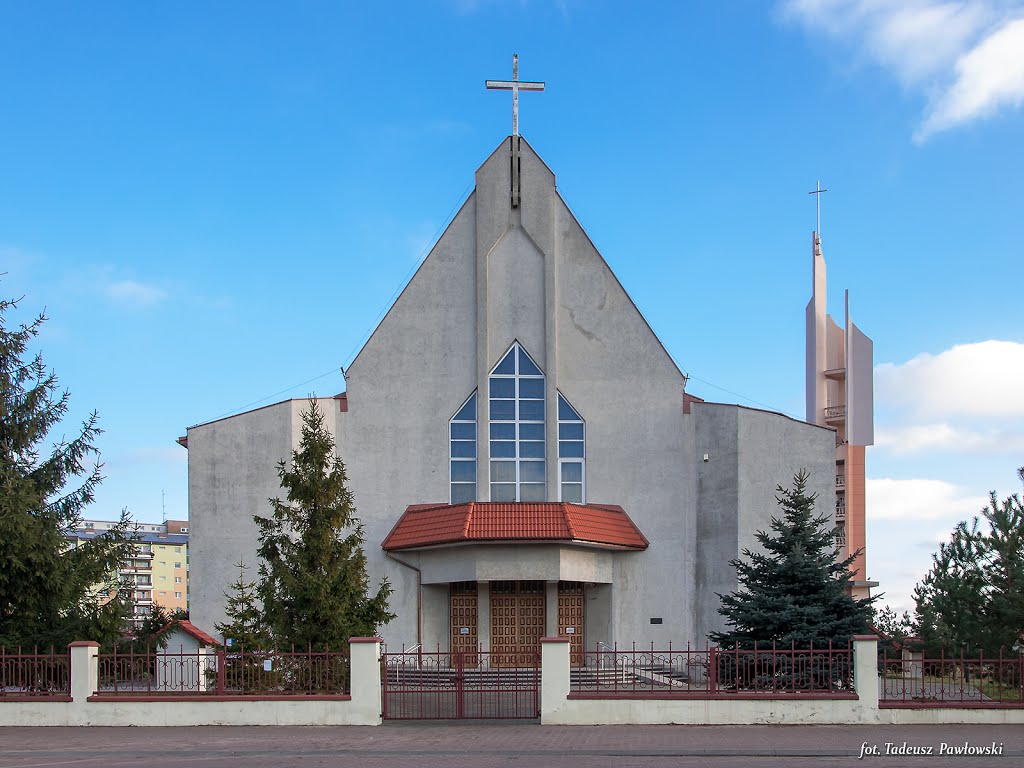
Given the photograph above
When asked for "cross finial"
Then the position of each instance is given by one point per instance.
(515, 85)
(817, 199)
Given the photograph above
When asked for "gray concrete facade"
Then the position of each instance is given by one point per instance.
(531, 275)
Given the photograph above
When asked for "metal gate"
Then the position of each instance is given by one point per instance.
(441, 685)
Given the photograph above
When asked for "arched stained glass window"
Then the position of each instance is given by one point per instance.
(571, 453)
(516, 410)
(462, 434)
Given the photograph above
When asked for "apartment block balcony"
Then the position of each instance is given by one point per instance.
(841, 509)
(840, 480)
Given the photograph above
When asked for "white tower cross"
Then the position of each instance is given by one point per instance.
(817, 193)
(515, 85)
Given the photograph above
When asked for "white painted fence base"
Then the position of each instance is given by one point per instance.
(559, 707)
(360, 707)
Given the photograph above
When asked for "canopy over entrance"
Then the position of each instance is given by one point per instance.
(482, 522)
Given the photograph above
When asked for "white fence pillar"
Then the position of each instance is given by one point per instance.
(865, 675)
(365, 683)
(84, 670)
(554, 675)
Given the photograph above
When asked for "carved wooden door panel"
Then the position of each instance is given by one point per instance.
(517, 622)
(463, 613)
(570, 618)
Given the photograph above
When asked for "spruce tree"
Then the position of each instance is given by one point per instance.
(794, 591)
(244, 628)
(313, 582)
(50, 592)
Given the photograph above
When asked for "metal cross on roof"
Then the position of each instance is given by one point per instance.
(515, 85)
(817, 199)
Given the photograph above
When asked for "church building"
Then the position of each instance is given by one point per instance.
(521, 448)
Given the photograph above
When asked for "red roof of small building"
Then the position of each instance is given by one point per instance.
(425, 525)
(189, 628)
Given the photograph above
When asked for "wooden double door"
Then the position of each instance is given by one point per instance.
(518, 611)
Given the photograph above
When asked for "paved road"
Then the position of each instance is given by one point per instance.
(506, 744)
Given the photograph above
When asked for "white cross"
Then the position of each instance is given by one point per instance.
(515, 85)
(817, 193)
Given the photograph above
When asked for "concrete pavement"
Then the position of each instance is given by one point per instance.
(464, 744)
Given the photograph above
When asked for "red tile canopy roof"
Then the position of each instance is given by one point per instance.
(427, 525)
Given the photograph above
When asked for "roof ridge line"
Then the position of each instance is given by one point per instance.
(469, 516)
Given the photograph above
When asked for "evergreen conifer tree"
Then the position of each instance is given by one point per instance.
(245, 627)
(50, 593)
(313, 582)
(972, 599)
(794, 591)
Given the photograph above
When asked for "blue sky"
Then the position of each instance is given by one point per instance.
(215, 203)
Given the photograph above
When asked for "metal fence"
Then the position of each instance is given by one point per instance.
(234, 672)
(34, 675)
(438, 685)
(711, 671)
(951, 681)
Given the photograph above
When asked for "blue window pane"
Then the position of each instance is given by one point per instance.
(570, 431)
(531, 389)
(463, 431)
(531, 449)
(502, 449)
(464, 471)
(532, 492)
(531, 472)
(570, 449)
(507, 364)
(503, 471)
(565, 411)
(468, 411)
(503, 387)
(572, 493)
(572, 472)
(503, 431)
(463, 492)
(503, 410)
(531, 431)
(526, 366)
(503, 491)
(531, 410)
(463, 449)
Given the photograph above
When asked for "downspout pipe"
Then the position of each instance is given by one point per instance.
(419, 596)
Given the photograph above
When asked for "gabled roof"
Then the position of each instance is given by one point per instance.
(189, 628)
(428, 525)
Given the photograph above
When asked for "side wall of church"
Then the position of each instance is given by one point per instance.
(232, 472)
(749, 453)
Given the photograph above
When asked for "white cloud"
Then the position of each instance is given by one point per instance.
(980, 379)
(134, 293)
(967, 55)
(904, 440)
(919, 499)
(989, 77)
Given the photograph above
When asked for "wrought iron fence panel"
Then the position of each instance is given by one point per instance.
(238, 672)
(34, 675)
(951, 681)
(711, 671)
